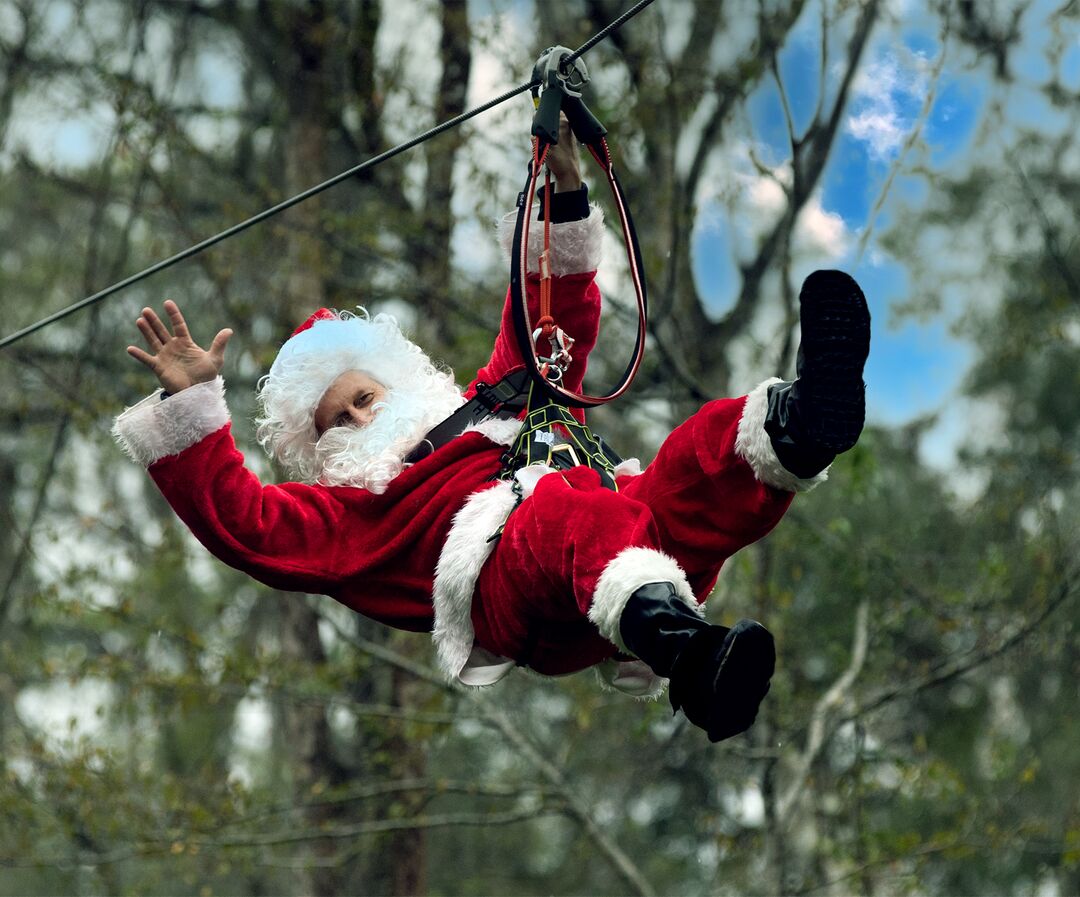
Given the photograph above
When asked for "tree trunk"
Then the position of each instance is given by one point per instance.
(307, 732)
(431, 247)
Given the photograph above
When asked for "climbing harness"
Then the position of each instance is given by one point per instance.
(551, 436)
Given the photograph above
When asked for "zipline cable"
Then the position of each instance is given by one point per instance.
(604, 32)
(261, 216)
(311, 191)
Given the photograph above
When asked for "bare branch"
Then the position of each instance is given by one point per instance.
(102, 194)
(575, 806)
(837, 695)
(1066, 590)
(807, 166)
(912, 138)
(399, 786)
(793, 140)
(163, 845)
(1059, 258)
(824, 67)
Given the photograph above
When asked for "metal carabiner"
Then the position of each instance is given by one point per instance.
(553, 372)
(561, 344)
(554, 366)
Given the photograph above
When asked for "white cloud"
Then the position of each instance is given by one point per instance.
(818, 232)
(821, 232)
(880, 129)
(766, 195)
(885, 92)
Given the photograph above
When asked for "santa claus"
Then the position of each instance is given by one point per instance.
(550, 569)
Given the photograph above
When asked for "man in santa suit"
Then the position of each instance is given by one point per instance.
(579, 575)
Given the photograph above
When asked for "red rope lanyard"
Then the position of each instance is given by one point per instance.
(526, 332)
(546, 322)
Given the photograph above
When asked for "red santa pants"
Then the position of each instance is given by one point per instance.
(698, 502)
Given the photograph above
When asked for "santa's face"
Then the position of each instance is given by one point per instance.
(366, 429)
(348, 398)
(350, 401)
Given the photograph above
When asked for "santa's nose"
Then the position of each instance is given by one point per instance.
(361, 417)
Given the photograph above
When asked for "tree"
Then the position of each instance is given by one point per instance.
(236, 740)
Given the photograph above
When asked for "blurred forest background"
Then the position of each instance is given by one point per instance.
(169, 727)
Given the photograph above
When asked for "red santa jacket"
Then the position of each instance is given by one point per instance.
(376, 554)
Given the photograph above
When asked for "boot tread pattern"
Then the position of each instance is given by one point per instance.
(835, 325)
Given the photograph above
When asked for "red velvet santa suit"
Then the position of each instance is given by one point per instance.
(548, 593)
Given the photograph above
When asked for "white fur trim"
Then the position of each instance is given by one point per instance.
(631, 467)
(631, 677)
(576, 246)
(629, 570)
(484, 668)
(499, 430)
(156, 428)
(530, 475)
(463, 554)
(755, 447)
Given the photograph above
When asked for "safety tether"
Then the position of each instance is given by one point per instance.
(562, 76)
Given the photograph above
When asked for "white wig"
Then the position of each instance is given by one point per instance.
(327, 346)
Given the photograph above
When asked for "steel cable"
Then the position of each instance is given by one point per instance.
(311, 191)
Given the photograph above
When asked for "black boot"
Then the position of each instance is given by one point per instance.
(718, 675)
(819, 415)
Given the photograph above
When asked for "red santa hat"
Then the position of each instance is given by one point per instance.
(325, 346)
(323, 314)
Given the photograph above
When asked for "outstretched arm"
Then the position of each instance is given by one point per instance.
(183, 437)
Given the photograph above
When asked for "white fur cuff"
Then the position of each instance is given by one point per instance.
(576, 246)
(755, 447)
(627, 571)
(156, 428)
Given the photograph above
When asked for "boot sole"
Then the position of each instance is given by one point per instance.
(742, 679)
(835, 342)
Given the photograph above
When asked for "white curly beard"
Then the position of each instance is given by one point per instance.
(370, 457)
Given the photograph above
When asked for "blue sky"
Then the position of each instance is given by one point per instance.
(914, 365)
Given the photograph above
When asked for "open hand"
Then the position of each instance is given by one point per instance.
(175, 358)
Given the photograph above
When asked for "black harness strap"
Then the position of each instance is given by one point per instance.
(506, 400)
(549, 435)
